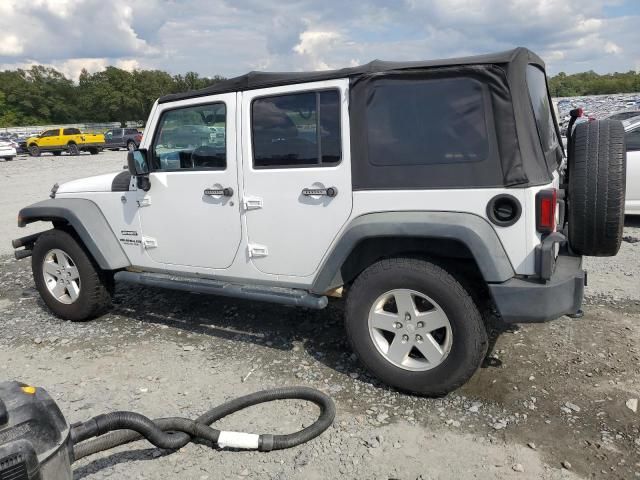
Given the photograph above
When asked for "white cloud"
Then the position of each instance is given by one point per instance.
(230, 37)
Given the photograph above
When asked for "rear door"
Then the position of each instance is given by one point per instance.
(297, 174)
(190, 216)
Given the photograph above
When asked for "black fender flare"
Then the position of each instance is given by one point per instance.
(89, 223)
(472, 230)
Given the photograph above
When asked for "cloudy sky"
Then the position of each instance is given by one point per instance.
(230, 37)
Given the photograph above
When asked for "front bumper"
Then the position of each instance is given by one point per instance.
(533, 300)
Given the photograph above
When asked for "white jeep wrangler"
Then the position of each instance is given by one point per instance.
(421, 191)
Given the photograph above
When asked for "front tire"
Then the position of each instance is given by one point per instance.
(414, 326)
(34, 150)
(70, 284)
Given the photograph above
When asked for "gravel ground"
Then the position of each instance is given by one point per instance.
(549, 403)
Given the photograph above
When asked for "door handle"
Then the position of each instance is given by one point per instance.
(312, 192)
(215, 192)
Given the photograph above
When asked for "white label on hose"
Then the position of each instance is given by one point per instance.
(247, 441)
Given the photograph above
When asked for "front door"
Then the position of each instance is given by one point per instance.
(297, 174)
(190, 216)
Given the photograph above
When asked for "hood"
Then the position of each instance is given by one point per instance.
(99, 183)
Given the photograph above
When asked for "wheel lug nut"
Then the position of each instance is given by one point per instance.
(418, 338)
(405, 338)
(397, 325)
(420, 324)
(407, 316)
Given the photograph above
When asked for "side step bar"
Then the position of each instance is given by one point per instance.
(283, 296)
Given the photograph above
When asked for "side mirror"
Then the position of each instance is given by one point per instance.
(137, 162)
(139, 168)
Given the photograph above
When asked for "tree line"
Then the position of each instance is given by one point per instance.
(41, 95)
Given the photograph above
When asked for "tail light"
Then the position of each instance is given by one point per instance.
(546, 201)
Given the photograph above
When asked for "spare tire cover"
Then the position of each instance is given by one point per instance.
(597, 174)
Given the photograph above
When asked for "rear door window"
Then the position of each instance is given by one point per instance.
(296, 130)
(537, 84)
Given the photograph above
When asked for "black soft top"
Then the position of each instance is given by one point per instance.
(516, 156)
(254, 80)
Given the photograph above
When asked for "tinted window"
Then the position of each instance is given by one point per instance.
(537, 83)
(423, 122)
(624, 115)
(70, 131)
(301, 129)
(186, 138)
(633, 140)
(50, 133)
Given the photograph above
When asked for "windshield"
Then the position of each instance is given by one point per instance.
(537, 83)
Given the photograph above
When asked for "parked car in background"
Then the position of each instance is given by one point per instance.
(70, 140)
(632, 136)
(128, 138)
(7, 149)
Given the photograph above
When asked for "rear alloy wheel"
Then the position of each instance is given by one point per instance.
(410, 330)
(73, 149)
(69, 282)
(34, 151)
(131, 146)
(414, 326)
(597, 181)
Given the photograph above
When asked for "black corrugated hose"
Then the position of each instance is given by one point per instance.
(118, 428)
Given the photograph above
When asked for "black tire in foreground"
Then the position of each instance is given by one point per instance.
(597, 181)
(69, 282)
(73, 149)
(34, 151)
(414, 326)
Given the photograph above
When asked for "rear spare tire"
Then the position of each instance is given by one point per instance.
(597, 173)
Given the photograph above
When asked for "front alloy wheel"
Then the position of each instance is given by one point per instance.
(61, 276)
(68, 280)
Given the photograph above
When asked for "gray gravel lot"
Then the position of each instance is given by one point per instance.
(548, 395)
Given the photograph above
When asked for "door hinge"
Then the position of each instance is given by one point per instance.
(149, 242)
(256, 250)
(144, 201)
(252, 203)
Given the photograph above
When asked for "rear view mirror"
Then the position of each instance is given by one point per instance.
(137, 162)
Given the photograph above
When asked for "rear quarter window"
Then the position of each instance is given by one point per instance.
(537, 85)
(427, 122)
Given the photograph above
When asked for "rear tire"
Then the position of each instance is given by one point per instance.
(461, 341)
(69, 282)
(73, 149)
(597, 176)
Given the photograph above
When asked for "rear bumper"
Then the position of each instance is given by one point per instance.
(531, 301)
